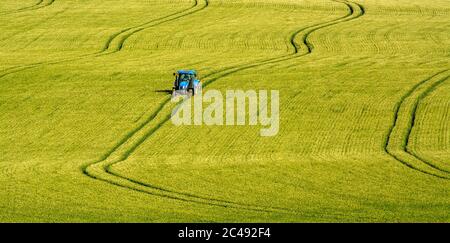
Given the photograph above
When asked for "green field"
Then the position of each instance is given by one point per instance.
(364, 135)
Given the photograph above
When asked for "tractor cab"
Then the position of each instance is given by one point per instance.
(186, 82)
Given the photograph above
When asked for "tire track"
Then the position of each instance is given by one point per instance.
(40, 4)
(103, 168)
(117, 41)
(21, 9)
(119, 37)
(46, 4)
(354, 11)
(399, 134)
(414, 119)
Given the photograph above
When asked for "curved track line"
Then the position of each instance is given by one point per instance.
(45, 5)
(396, 144)
(125, 34)
(40, 4)
(411, 150)
(355, 11)
(21, 9)
(107, 49)
(106, 163)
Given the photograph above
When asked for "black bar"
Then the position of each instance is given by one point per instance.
(225, 232)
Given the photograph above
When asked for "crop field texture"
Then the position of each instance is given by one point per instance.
(86, 136)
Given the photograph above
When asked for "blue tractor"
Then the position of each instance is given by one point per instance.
(186, 83)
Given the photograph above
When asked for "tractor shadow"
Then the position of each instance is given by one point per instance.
(166, 91)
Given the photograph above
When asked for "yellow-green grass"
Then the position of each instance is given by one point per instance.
(430, 137)
(72, 110)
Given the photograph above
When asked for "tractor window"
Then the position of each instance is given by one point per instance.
(185, 77)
